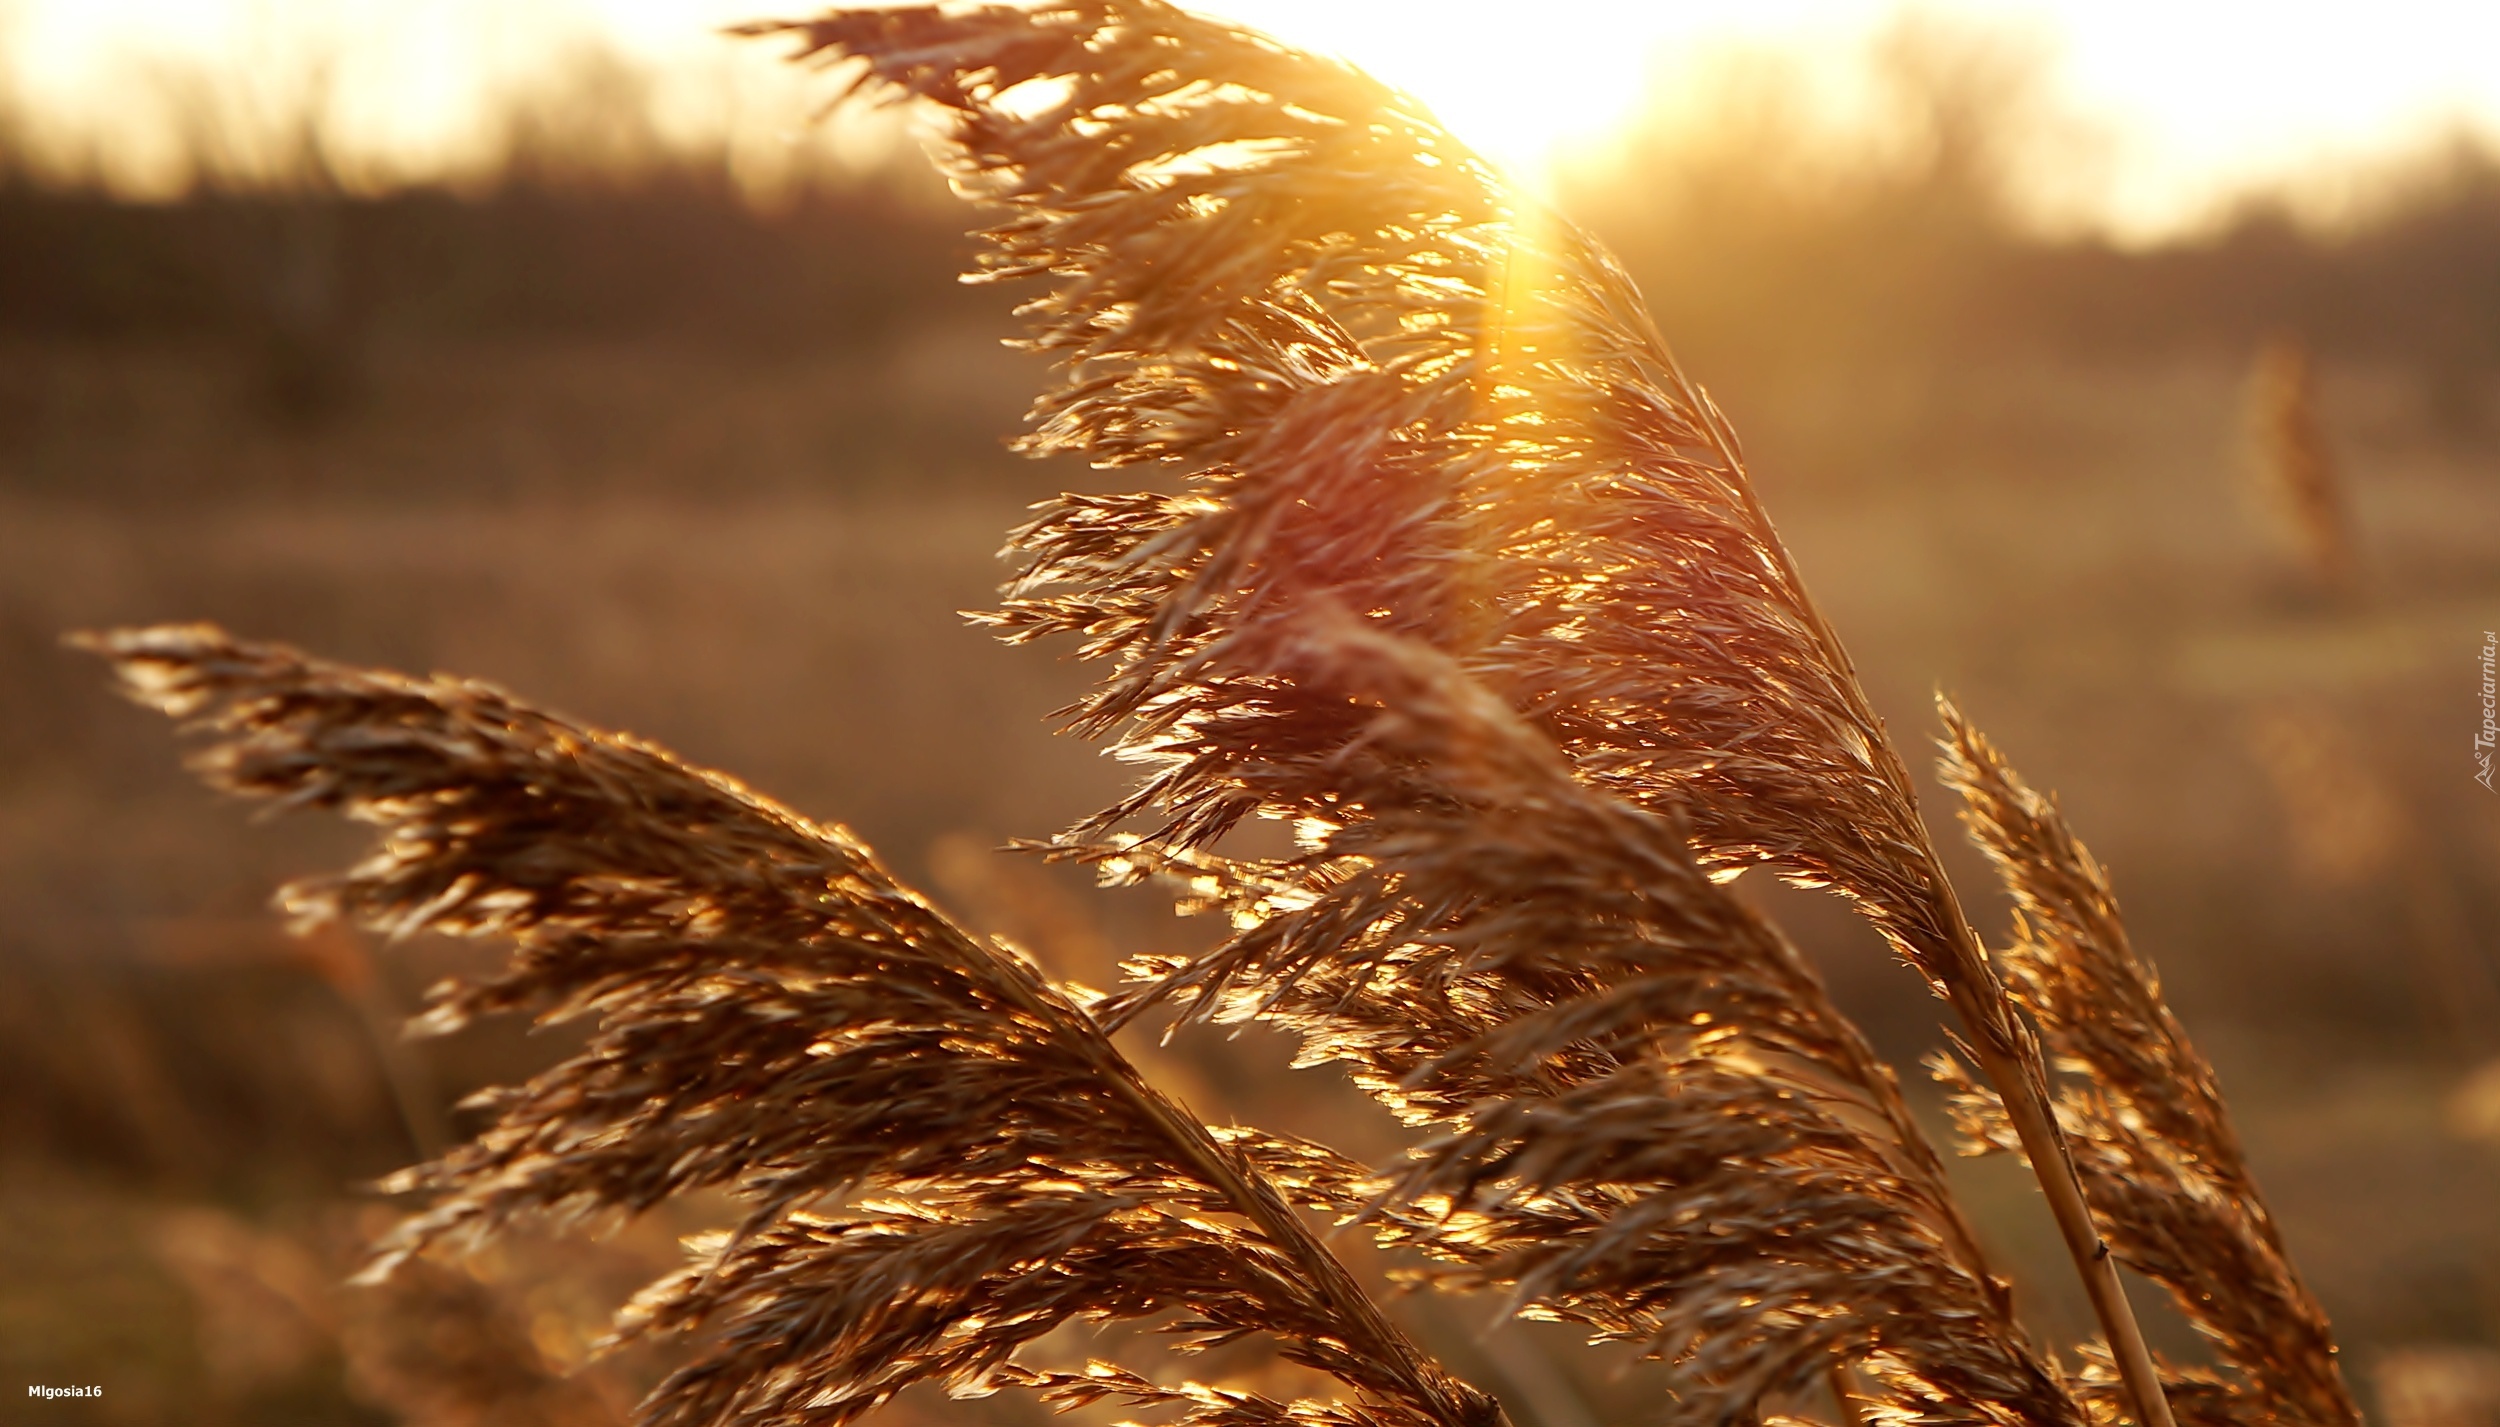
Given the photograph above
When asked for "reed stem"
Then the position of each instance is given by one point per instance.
(2001, 1043)
(2008, 1056)
(1257, 1201)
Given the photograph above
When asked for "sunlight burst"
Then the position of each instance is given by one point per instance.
(1520, 93)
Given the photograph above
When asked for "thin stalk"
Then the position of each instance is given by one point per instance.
(2011, 1061)
(412, 1089)
(1256, 1200)
(1846, 1399)
(2007, 1054)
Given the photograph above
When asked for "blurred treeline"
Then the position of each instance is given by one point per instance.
(1764, 244)
(585, 219)
(609, 422)
(1760, 244)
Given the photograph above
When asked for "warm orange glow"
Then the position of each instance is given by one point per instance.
(2193, 101)
(2189, 103)
(1518, 85)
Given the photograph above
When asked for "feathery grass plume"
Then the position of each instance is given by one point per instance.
(2168, 1183)
(2293, 467)
(778, 1017)
(1650, 1120)
(1388, 382)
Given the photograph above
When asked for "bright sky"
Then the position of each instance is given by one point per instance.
(2187, 99)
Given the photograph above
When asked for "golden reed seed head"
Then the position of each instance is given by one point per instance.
(1465, 578)
(1644, 1114)
(2161, 1163)
(942, 1157)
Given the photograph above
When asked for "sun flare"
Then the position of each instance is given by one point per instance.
(1520, 93)
(2216, 108)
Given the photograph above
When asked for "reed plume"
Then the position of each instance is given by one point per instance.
(1467, 581)
(2168, 1182)
(1647, 1117)
(1389, 383)
(2295, 469)
(943, 1156)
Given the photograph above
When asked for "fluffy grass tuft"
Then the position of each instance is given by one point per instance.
(1456, 571)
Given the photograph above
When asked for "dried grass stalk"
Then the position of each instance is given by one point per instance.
(776, 1016)
(2168, 1182)
(1648, 1117)
(1390, 383)
(2294, 468)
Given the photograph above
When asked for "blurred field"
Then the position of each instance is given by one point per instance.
(724, 479)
